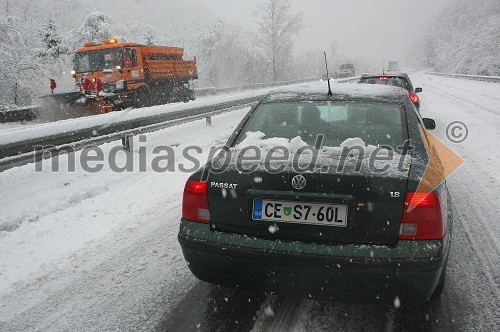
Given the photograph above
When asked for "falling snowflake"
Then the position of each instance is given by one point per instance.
(273, 229)
(268, 311)
(397, 303)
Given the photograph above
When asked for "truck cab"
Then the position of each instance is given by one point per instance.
(347, 70)
(120, 75)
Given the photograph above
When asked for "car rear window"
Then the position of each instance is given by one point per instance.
(378, 124)
(387, 80)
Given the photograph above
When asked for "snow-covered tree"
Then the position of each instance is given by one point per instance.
(32, 49)
(210, 46)
(226, 59)
(150, 37)
(54, 56)
(277, 26)
(17, 65)
(97, 27)
(465, 40)
(256, 66)
(53, 47)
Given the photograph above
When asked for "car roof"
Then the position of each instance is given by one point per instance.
(341, 92)
(390, 74)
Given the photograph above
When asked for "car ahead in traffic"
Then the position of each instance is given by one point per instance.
(296, 204)
(331, 77)
(395, 79)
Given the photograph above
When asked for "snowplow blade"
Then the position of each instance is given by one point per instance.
(67, 106)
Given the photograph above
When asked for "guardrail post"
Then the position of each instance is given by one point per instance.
(209, 121)
(128, 142)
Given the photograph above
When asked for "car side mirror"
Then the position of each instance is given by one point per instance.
(417, 90)
(429, 123)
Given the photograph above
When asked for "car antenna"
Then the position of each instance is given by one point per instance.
(330, 93)
(383, 67)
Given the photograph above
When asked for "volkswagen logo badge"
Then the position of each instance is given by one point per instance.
(298, 182)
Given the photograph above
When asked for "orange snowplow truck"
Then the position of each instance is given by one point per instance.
(119, 75)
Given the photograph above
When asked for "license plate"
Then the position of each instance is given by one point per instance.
(300, 212)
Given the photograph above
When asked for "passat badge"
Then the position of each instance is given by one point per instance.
(298, 182)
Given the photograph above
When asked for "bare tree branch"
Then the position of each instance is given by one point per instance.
(277, 26)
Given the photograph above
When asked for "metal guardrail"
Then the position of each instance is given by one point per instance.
(26, 113)
(24, 151)
(200, 92)
(495, 79)
(68, 136)
(60, 145)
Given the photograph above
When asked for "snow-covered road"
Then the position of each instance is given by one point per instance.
(71, 230)
(99, 252)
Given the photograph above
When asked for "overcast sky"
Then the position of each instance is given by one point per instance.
(370, 29)
(374, 29)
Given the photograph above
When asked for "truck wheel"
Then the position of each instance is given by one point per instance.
(191, 95)
(187, 95)
(143, 98)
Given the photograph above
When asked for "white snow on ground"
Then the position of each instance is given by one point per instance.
(11, 125)
(99, 251)
(61, 212)
(474, 186)
(69, 223)
(480, 96)
(477, 105)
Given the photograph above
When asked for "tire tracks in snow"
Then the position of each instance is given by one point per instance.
(468, 91)
(481, 241)
(89, 294)
(280, 313)
(126, 280)
(454, 96)
(467, 185)
(207, 307)
(472, 294)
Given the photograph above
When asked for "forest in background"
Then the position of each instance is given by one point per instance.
(465, 39)
(38, 40)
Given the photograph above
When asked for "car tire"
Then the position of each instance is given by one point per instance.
(442, 279)
(440, 286)
(189, 95)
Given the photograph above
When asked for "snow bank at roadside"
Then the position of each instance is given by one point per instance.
(55, 215)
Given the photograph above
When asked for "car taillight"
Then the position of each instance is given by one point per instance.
(195, 202)
(425, 220)
(383, 78)
(414, 97)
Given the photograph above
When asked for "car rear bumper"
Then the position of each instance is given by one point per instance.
(410, 270)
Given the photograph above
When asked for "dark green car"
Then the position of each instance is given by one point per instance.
(316, 196)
